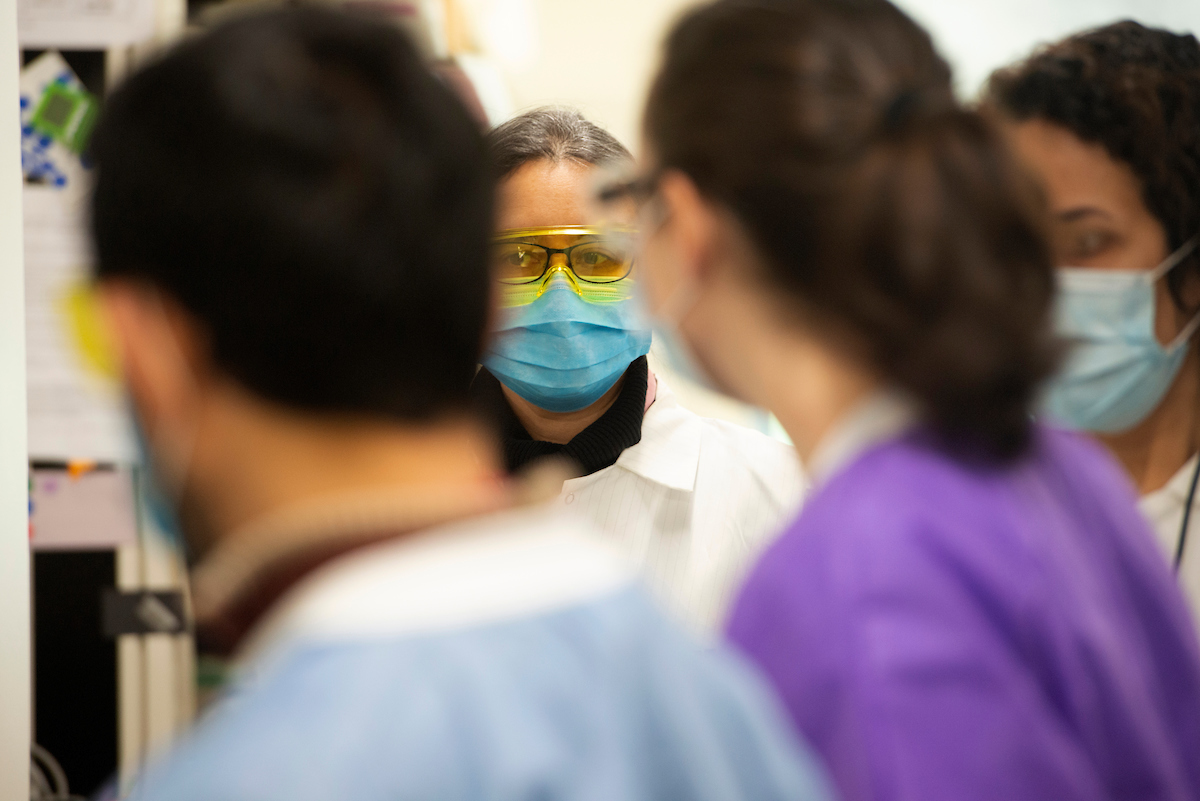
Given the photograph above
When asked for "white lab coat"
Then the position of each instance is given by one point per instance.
(1164, 509)
(692, 505)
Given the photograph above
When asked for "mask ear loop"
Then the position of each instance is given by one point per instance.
(1172, 261)
(1186, 334)
(1159, 272)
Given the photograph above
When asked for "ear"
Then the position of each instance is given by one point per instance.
(162, 351)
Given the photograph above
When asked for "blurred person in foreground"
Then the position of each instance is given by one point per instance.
(292, 220)
(690, 500)
(1110, 121)
(969, 606)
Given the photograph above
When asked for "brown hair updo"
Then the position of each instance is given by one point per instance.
(885, 211)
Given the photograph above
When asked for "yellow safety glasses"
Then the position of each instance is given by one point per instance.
(597, 262)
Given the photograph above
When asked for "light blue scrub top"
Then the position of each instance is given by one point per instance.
(599, 698)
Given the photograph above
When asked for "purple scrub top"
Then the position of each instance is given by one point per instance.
(939, 631)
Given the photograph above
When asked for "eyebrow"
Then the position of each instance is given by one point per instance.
(584, 239)
(1080, 212)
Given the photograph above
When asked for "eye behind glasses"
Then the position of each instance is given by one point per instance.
(599, 262)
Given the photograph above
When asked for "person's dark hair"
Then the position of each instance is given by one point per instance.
(320, 202)
(1135, 91)
(553, 133)
(890, 216)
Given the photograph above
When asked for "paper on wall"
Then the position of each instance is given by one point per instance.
(75, 412)
(84, 24)
(57, 114)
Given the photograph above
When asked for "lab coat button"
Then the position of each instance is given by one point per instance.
(569, 499)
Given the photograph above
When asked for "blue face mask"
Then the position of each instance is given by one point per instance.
(671, 343)
(1117, 372)
(562, 353)
(152, 497)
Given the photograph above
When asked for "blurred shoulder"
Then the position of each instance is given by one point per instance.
(912, 493)
(895, 501)
(565, 705)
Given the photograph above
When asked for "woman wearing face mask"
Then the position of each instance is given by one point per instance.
(969, 606)
(692, 500)
(1110, 121)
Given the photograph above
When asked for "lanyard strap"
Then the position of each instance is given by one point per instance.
(1187, 515)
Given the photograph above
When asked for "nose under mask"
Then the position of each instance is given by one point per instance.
(562, 353)
(1117, 372)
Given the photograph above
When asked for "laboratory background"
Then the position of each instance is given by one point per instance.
(99, 669)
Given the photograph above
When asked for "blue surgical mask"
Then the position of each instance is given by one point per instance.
(1117, 371)
(158, 490)
(562, 353)
(670, 341)
(151, 494)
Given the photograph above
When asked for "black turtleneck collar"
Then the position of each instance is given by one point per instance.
(593, 449)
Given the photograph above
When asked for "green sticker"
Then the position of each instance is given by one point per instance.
(66, 115)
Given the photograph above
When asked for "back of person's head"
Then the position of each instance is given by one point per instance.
(319, 203)
(1135, 91)
(891, 218)
(556, 134)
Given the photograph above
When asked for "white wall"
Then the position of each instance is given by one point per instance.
(597, 56)
(979, 35)
(14, 465)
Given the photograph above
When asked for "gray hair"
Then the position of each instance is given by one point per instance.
(556, 133)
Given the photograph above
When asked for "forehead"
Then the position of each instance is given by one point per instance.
(1075, 173)
(544, 194)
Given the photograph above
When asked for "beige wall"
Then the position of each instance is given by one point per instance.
(979, 35)
(597, 55)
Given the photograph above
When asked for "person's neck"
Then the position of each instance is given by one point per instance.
(1155, 450)
(810, 389)
(268, 463)
(559, 427)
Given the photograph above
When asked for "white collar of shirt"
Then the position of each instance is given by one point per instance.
(1164, 509)
(880, 417)
(669, 452)
(495, 567)
(1174, 492)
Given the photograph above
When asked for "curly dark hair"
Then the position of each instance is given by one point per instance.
(882, 208)
(1135, 91)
